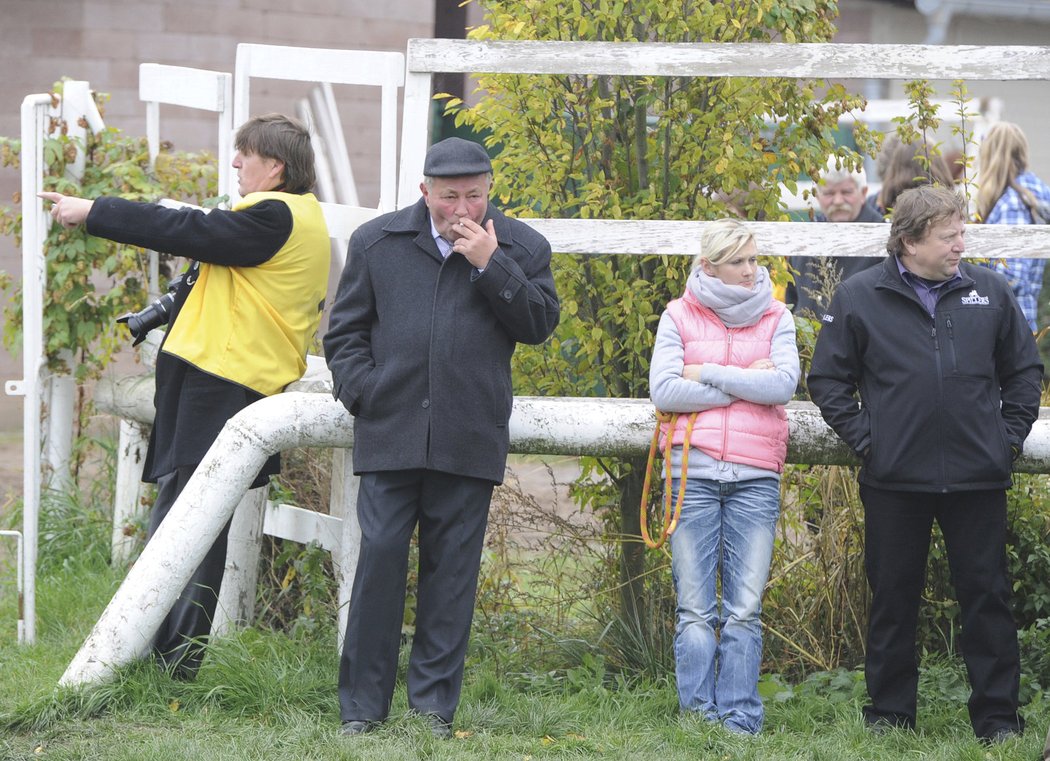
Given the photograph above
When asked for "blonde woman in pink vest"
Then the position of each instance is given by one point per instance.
(726, 351)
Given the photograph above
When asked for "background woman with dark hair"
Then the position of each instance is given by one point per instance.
(902, 167)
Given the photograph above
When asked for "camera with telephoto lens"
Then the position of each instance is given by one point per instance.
(156, 314)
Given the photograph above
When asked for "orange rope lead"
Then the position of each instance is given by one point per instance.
(672, 514)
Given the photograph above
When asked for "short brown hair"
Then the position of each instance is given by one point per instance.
(280, 137)
(919, 209)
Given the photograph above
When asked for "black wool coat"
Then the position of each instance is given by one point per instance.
(420, 347)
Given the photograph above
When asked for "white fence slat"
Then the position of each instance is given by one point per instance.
(183, 86)
(676, 237)
(236, 605)
(733, 59)
(128, 509)
(303, 526)
(343, 220)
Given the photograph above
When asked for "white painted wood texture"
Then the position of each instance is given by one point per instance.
(343, 220)
(303, 526)
(670, 237)
(724, 59)
(186, 87)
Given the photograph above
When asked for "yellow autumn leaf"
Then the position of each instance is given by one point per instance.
(288, 578)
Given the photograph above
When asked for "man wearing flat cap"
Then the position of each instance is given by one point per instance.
(431, 304)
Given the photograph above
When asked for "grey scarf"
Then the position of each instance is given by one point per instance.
(735, 305)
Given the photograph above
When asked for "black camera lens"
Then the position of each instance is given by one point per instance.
(156, 314)
(142, 322)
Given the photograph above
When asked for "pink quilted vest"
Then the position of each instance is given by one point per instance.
(743, 432)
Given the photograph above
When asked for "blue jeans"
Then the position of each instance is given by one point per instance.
(730, 527)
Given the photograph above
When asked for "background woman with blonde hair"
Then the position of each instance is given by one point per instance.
(726, 351)
(1009, 194)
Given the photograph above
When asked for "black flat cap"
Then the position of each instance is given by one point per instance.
(456, 157)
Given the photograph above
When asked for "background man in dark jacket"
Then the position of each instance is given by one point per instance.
(949, 383)
(841, 194)
(430, 306)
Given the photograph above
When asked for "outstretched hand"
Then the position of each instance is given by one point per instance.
(68, 211)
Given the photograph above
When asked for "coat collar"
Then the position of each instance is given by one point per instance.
(890, 277)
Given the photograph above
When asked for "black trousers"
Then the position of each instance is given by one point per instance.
(451, 512)
(897, 541)
(180, 640)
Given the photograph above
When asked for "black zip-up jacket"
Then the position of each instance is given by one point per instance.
(945, 401)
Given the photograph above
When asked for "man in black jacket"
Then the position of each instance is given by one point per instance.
(432, 302)
(948, 379)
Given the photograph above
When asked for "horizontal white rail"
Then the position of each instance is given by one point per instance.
(732, 59)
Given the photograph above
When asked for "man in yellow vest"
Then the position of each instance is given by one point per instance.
(239, 324)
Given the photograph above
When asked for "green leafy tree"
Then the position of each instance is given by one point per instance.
(643, 148)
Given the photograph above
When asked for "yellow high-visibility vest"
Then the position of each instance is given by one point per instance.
(253, 325)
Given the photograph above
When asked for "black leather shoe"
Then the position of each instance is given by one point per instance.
(883, 726)
(353, 727)
(1001, 735)
(440, 728)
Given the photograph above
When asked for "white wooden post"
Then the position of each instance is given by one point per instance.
(60, 410)
(77, 109)
(236, 606)
(34, 275)
(128, 508)
(344, 505)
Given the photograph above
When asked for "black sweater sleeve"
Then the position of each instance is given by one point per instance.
(244, 238)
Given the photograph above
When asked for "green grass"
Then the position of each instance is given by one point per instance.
(268, 696)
